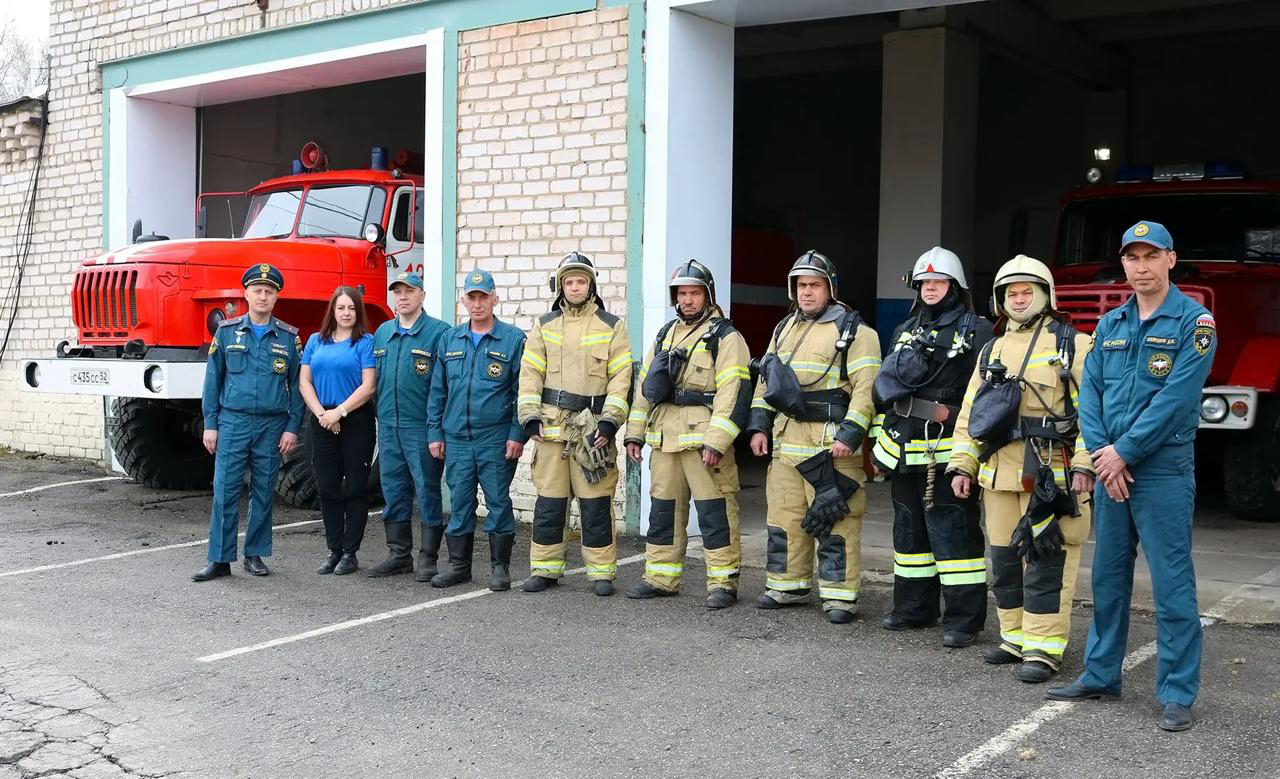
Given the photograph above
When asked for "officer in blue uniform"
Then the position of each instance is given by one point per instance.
(404, 355)
(1139, 409)
(252, 410)
(472, 417)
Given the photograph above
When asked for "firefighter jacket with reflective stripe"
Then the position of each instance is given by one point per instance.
(673, 428)
(582, 350)
(1004, 469)
(816, 362)
(902, 442)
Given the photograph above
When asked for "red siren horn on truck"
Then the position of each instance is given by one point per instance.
(312, 156)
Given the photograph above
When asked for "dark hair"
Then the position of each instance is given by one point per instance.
(330, 322)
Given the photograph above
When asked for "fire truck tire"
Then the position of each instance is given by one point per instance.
(1251, 470)
(296, 483)
(158, 443)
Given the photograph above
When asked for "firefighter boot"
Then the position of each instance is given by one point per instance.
(399, 558)
(720, 598)
(500, 559)
(459, 569)
(428, 552)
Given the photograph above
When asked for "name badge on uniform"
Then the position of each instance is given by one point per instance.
(1115, 343)
(379, 352)
(237, 348)
(454, 355)
(1157, 340)
(420, 352)
(278, 349)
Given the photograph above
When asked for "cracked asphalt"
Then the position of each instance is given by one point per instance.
(101, 676)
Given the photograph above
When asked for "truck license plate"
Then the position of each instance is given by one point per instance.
(91, 378)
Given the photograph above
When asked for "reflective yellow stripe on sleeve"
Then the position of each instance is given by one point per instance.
(535, 362)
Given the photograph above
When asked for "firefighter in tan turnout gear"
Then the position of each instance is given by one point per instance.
(1018, 433)
(574, 383)
(693, 399)
(814, 400)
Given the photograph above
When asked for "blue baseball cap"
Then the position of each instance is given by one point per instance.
(478, 280)
(263, 273)
(412, 279)
(1152, 233)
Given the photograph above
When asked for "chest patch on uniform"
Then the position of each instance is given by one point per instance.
(1115, 343)
(379, 352)
(420, 366)
(494, 370)
(1159, 365)
(1202, 340)
(279, 364)
(1157, 340)
(453, 355)
(278, 349)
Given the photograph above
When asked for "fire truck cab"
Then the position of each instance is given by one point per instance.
(145, 314)
(1226, 231)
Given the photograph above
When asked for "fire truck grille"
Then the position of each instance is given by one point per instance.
(1086, 307)
(105, 302)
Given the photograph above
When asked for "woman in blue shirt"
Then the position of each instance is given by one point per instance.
(337, 383)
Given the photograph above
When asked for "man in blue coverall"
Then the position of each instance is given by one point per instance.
(472, 417)
(404, 356)
(252, 410)
(1139, 409)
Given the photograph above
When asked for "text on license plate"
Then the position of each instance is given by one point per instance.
(91, 377)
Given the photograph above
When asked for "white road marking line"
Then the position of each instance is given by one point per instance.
(1050, 711)
(379, 617)
(148, 550)
(60, 484)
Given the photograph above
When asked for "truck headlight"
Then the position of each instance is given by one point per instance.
(1213, 408)
(153, 378)
(33, 374)
(215, 319)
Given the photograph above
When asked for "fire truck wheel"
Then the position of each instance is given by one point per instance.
(296, 483)
(158, 443)
(1251, 470)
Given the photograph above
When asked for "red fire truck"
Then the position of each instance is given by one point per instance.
(1226, 231)
(145, 314)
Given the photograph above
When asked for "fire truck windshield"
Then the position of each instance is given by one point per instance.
(1206, 226)
(341, 211)
(271, 215)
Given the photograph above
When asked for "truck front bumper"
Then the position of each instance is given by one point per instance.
(125, 378)
(1228, 408)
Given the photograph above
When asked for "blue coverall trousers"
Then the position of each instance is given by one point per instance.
(1158, 515)
(483, 464)
(407, 469)
(249, 441)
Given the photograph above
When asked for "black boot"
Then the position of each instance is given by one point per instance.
(212, 571)
(399, 558)
(348, 564)
(500, 558)
(330, 564)
(428, 553)
(459, 569)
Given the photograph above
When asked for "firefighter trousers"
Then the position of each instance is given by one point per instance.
(675, 476)
(559, 480)
(789, 560)
(1033, 598)
(937, 552)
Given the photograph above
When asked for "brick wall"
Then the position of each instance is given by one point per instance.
(542, 161)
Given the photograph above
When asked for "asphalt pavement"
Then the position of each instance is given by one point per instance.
(114, 664)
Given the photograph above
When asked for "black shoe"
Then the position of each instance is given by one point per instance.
(348, 564)
(1034, 672)
(538, 583)
(1176, 717)
(957, 639)
(998, 655)
(254, 565)
(894, 622)
(721, 598)
(399, 557)
(603, 587)
(428, 553)
(500, 561)
(212, 571)
(459, 570)
(330, 564)
(839, 616)
(644, 591)
(1078, 692)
